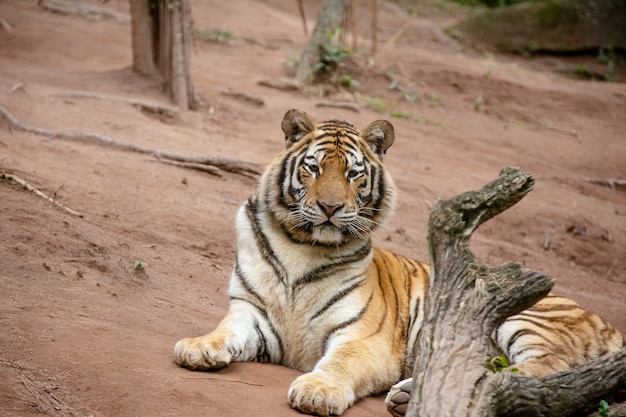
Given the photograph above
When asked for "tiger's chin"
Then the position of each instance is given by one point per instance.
(327, 235)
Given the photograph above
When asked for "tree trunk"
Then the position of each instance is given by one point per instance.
(142, 37)
(175, 45)
(161, 39)
(465, 303)
(329, 19)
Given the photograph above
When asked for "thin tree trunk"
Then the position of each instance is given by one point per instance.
(161, 43)
(141, 37)
(174, 60)
(329, 19)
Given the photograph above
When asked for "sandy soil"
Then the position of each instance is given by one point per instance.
(82, 333)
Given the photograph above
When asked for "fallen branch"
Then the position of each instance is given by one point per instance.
(88, 11)
(227, 164)
(567, 132)
(166, 110)
(245, 98)
(339, 104)
(211, 169)
(465, 302)
(612, 183)
(14, 178)
(284, 84)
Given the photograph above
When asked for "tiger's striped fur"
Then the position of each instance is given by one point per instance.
(310, 292)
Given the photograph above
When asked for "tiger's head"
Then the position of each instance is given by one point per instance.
(329, 187)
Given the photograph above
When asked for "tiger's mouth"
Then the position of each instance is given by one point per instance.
(327, 234)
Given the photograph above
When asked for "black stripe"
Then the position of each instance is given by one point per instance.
(325, 142)
(246, 284)
(334, 267)
(538, 308)
(338, 296)
(263, 243)
(265, 317)
(262, 354)
(347, 322)
(521, 333)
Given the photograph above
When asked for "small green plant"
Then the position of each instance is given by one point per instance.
(140, 265)
(478, 102)
(607, 55)
(532, 47)
(333, 53)
(603, 409)
(500, 363)
(348, 82)
(582, 70)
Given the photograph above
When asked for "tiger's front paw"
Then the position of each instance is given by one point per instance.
(317, 393)
(204, 353)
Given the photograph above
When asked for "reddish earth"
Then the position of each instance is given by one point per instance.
(82, 333)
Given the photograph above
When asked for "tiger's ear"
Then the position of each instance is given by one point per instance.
(296, 124)
(379, 135)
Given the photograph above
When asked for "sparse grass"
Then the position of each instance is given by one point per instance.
(213, 35)
(380, 105)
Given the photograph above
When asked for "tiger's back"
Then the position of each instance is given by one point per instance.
(310, 292)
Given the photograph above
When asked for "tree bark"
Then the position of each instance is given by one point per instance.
(466, 302)
(329, 19)
(161, 40)
(142, 37)
(175, 45)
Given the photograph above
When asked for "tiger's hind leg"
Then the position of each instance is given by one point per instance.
(555, 335)
(397, 399)
(243, 335)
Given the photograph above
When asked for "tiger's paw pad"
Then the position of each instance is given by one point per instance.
(313, 394)
(202, 353)
(397, 399)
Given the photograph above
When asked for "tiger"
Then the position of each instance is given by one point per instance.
(310, 291)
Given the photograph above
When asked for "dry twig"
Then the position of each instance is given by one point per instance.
(14, 178)
(567, 132)
(221, 380)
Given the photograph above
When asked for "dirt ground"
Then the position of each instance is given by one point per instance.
(82, 333)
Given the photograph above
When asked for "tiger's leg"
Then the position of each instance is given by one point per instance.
(243, 335)
(349, 370)
(554, 335)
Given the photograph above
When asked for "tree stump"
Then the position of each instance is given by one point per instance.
(466, 301)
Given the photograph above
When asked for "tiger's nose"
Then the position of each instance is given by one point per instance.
(329, 209)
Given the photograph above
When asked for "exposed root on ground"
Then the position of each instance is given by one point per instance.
(206, 163)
